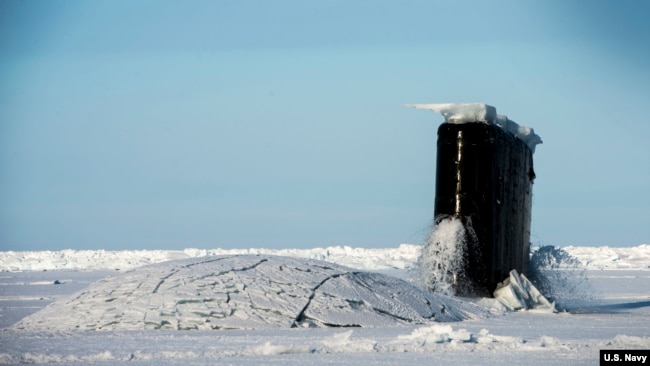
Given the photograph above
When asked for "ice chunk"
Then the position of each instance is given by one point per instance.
(525, 133)
(481, 112)
(461, 112)
(518, 293)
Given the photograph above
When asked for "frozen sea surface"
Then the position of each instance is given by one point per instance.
(618, 316)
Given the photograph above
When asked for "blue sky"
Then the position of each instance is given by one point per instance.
(169, 124)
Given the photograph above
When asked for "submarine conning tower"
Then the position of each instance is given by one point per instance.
(484, 177)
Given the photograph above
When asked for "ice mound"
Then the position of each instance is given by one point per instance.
(246, 292)
(481, 112)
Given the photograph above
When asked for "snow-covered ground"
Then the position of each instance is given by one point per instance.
(616, 314)
(384, 259)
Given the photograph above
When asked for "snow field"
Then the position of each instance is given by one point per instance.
(516, 337)
(359, 258)
(385, 259)
(617, 317)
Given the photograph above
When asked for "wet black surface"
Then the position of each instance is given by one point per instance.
(484, 176)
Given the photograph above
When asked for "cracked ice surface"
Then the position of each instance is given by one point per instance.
(246, 292)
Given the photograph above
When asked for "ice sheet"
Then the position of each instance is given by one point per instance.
(531, 338)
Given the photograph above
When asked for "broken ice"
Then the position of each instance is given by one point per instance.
(247, 292)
